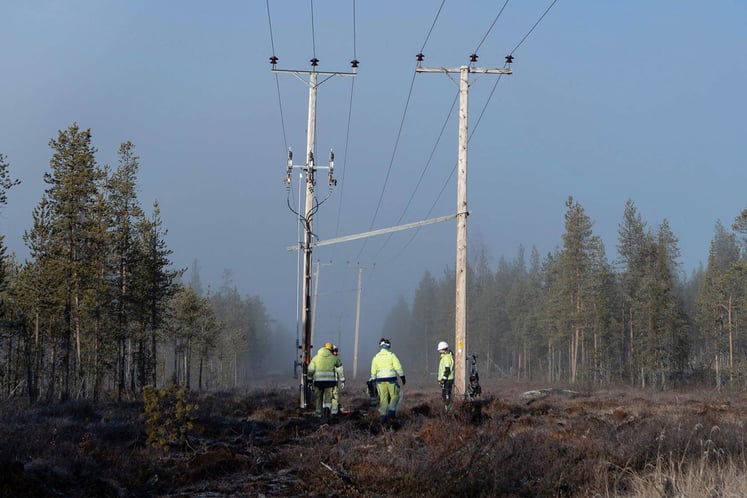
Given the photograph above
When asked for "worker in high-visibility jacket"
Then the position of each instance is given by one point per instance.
(385, 368)
(321, 371)
(340, 385)
(445, 373)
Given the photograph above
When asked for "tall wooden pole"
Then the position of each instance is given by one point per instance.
(308, 229)
(460, 325)
(307, 216)
(460, 322)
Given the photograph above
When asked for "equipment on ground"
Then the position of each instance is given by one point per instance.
(373, 393)
(474, 388)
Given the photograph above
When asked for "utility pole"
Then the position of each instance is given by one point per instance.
(460, 325)
(309, 168)
(357, 321)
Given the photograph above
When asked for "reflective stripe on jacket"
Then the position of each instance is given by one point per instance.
(386, 366)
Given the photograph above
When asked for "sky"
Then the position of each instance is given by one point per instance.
(608, 101)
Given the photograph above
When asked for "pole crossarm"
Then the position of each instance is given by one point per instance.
(328, 74)
(381, 231)
(477, 70)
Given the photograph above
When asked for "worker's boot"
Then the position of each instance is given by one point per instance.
(392, 414)
(326, 412)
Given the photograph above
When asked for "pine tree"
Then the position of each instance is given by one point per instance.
(575, 271)
(154, 285)
(125, 212)
(74, 182)
(631, 248)
(720, 297)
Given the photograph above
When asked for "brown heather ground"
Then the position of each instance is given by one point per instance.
(617, 442)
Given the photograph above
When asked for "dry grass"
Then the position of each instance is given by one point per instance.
(619, 442)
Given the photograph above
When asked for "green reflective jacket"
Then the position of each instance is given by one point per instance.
(386, 365)
(447, 360)
(323, 366)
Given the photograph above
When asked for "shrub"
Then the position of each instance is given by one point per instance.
(168, 416)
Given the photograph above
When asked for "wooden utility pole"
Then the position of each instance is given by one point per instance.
(460, 325)
(357, 321)
(309, 168)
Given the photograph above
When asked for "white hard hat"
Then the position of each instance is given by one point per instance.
(442, 345)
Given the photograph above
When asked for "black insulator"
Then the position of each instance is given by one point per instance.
(354, 63)
(509, 59)
(420, 57)
(273, 60)
(473, 58)
(314, 61)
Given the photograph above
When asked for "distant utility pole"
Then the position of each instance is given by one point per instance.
(357, 321)
(309, 168)
(460, 326)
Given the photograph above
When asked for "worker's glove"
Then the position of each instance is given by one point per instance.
(404, 381)
(441, 383)
(341, 385)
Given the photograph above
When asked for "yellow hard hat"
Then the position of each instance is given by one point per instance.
(328, 345)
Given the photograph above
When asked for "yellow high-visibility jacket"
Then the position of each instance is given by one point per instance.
(386, 366)
(447, 360)
(323, 365)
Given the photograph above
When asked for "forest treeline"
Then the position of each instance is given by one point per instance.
(98, 309)
(574, 317)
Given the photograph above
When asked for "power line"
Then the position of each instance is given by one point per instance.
(477, 123)
(422, 175)
(433, 25)
(313, 33)
(477, 49)
(277, 81)
(347, 128)
(535, 25)
(399, 131)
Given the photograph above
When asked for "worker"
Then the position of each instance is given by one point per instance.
(446, 373)
(385, 368)
(340, 385)
(321, 371)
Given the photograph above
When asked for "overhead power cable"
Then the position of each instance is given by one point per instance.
(453, 104)
(399, 131)
(477, 49)
(354, 62)
(474, 128)
(532, 29)
(433, 25)
(280, 104)
(313, 35)
(423, 172)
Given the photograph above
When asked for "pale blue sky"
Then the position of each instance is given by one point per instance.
(608, 101)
